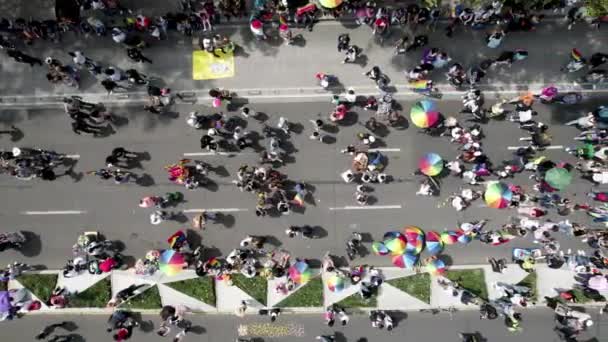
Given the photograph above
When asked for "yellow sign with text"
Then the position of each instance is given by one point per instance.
(206, 66)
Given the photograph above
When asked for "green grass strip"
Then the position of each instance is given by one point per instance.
(96, 296)
(149, 299)
(471, 279)
(355, 301)
(202, 288)
(41, 285)
(417, 285)
(256, 287)
(307, 295)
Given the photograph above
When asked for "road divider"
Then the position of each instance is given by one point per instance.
(55, 212)
(367, 207)
(222, 210)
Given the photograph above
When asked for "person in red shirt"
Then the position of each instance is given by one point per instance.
(123, 333)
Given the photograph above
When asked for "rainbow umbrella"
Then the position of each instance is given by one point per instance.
(558, 178)
(464, 238)
(430, 164)
(391, 234)
(424, 114)
(336, 283)
(379, 248)
(300, 272)
(497, 195)
(436, 267)
(171, 262)
(396, 245)
(450, 237)
(330, 3)
(433, 242)
(405, 260)
(415, 239)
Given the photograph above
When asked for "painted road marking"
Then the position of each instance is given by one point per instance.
(384, 150)
(73, 156)
(367, 207)
(551, 147)
(223, 210)
(271, 330)
(55, 212)
(202, 154)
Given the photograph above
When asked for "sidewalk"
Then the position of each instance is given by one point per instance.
(402, 289)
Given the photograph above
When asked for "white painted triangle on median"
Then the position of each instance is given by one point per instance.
(513, 274)
(170, 296)
(123, 279)
(275, 297)
(228, 297)
(549, 279)
(80, 282)
(392, 298)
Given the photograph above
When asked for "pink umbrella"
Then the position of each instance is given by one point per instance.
(598, 283)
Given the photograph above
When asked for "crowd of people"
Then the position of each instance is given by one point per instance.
(276, 195)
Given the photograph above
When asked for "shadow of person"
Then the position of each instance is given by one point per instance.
(32, 245)
(197, 330)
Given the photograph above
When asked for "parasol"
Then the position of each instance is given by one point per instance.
(558, 178)
(598, 283)
(433, 243)
(171, 262)
(430, 164)
(177, 240)
(450, 237)
(415, 239)
(396, 245)
(497, 195)
(424, 114)
(379, 248)
(299, 272)
(330, 3)
(405, 260)
(436, 266)
(464, 238)
(336, 283)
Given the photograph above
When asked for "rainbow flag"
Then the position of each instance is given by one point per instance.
(299, 199)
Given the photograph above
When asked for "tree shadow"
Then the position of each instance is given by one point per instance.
(33, 244)
(227, 220)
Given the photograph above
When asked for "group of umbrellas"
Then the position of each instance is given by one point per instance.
(300, 273)
(405, 248)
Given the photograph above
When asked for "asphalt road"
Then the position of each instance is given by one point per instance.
(274, 65)
(537, 326)
(92, 204)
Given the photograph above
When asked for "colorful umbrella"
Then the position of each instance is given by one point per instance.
(424, 114)
(405, 260)
(497, 195)
(558, 178)
(390, 235)
(396, 245)
(330, 3)
(300, 272)
(171, 262)
(430, 164)
(450, 237)
(598, 283)
(415, 239)
(464, 238)
(436, 267)
(433, 243)
(379, 248)
(336, 283)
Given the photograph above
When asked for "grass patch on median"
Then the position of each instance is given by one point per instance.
(471, 279)
(202, 288)
(256, 287)
(149, 299)
(40, 285)
(96, 296)
(307, 295)
(530, 281)
(417, 285)
(356, 301)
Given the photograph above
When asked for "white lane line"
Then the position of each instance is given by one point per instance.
(55, 212)
(367, 207)
(202, 154)
(73, 156)
(551, 147)
(223, 210)
(384, 150)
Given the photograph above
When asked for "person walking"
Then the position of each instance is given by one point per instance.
(136, 56)
(21, 57)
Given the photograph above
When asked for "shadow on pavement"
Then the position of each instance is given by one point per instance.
(33, 244)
